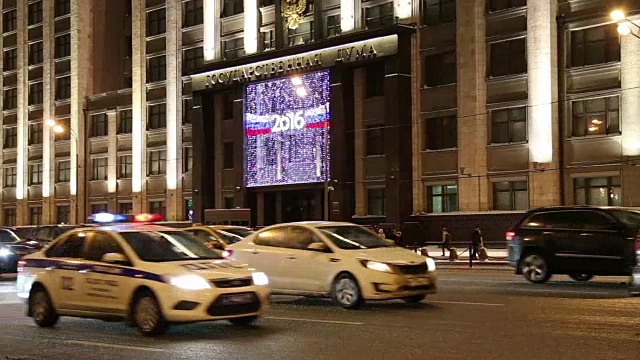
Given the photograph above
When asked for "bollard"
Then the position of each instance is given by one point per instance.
(470, 258)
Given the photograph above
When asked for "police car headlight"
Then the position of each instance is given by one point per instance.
(260, 279)
(377, 266)
(431, 264)
(190, 282)
(4, 252)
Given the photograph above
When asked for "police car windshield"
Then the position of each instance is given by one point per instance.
(242, 233)
(160, 246)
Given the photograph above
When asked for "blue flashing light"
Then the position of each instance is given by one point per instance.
(107, 217)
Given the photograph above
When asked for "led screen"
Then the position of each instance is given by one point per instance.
(286, 125)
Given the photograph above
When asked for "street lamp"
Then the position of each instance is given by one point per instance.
(623, 23)
(60, 129)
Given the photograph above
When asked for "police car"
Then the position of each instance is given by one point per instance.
(148, 275)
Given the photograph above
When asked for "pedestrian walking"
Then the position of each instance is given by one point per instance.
(381, 233)
(446, 240)
(476, 241)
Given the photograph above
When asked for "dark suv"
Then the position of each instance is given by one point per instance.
(581, 241)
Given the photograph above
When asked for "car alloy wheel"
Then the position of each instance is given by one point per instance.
(535, 269)
(148, 316)
(41, 309)
(346, 292)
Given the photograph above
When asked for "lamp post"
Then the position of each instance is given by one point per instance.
(60, 129)
(620, 17)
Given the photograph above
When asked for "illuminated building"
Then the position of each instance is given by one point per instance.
(423, 107)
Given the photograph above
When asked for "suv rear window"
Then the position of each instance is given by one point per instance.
(628, 217)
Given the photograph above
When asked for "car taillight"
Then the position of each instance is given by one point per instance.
(227, 253)
(21, 264)
(638, 243)
(510, 235)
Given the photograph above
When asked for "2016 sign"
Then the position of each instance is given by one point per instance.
(289, 121)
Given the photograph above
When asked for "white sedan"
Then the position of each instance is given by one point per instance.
(340, 260)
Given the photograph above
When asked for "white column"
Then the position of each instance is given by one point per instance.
(542, 72)
(112, 153)
(48, 106)
(212, 12)
(251, 26)
(347, 15)
(174, 109)
(630, 99)
(139, 108)
(23, 93)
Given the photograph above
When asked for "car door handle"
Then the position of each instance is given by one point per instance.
(291, 257)
(334, 259)
(586, 234)
(254, 251)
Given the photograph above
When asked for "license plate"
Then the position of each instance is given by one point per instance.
(418, 281)
(236, 299)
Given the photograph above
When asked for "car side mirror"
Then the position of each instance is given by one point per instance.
(390, 242)
(115, 258)
(318, 246)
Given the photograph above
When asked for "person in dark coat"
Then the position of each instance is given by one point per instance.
(476, 241)
(446, 240)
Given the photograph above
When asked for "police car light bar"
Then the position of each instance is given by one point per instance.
(147, 217)
(104, 217)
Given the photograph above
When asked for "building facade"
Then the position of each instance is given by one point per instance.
(403, 107)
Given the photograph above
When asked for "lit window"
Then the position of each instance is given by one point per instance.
(99, 168)
(157, 162)
(598, 191)
(510, 195)
(599, 116)
(443, 198)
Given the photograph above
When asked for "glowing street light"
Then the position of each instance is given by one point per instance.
(59, 129)
(624, 29)
(623, 23)
(618, 15)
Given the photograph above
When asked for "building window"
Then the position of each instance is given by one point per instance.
(10, 21)
(375, 202)
(63, 46)
(508, 57)
(264, 3)
(187, 158)
(125, 208)
(125, 166)
(35, 133)
(442, 133)
(333, 25)
(35, 53)
(509, 125)
(125, 126)
(193, 13)
(10, 176)
(510, 195)
(35, 215)
(497, 5)
(598, 191)
(63, 88)
(438, 11)
(187, 105)
(10, 137)
(62, 214)
(99, 125)
(35, 174)
(233, 48)
(232, 7)
(157, 162)
(99, 168)
(379, 16)
(157, 207)
(596, 45)
(374, 78)
(65, 135)
(443, 198)
(303, 34)
(62, 7)
(10, 98)
(157, 70)
(193, 58)
(10, 216)
(268, 40)
(156, 22)
(10, 60)
(34, 13)
(440, 69)
(599, 116)
(228, 99)
(98, 208)
(35, 93)
(229, 202)
(63, 173)
(157, 116)
(227, 153)
(375, 140)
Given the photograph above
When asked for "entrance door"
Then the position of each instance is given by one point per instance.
(303, 205)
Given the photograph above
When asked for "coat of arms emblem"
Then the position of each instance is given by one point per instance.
(293, 11)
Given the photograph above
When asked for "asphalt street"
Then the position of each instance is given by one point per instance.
(477, 314)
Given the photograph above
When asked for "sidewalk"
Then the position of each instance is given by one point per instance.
(496, 256)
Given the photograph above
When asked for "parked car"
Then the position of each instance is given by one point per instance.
(40, 236)
(219, 236)
(580, 241)
(340, 260)
(12, 248)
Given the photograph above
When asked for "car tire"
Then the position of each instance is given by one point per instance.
(414, 299)
(41, 308)
(581, 277)
(346, 292)
(535, 268)
(147, 315)
(244, 321)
